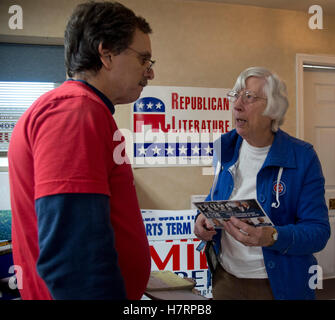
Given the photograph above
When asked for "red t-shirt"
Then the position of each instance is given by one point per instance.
(68, 142)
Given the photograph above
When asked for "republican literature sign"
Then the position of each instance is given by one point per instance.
(173, 246)
(176, 126)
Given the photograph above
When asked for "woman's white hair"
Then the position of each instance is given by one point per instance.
(274, 89)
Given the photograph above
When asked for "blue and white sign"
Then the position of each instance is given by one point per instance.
(173, 246)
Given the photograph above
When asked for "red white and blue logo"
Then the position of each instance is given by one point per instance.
(151, 111)
(280, 186)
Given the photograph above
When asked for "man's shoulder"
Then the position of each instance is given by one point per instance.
(70, 95)
(70, 90)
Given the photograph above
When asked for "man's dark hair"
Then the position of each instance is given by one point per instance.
(110, 23)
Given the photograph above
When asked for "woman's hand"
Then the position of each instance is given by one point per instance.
(203, 229)
(248, 234)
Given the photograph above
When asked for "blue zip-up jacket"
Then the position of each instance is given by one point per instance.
(301, 217)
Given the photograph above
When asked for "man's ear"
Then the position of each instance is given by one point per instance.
(105, 57)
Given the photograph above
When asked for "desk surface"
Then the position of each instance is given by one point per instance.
(174, 295)
(171, 287)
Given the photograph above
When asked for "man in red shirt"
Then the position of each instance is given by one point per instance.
(77, 229)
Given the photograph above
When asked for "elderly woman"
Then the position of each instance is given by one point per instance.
(258, 160)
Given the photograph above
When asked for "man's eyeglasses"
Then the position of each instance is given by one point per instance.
(247, 96)
(144, 58)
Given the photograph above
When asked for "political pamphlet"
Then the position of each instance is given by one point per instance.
(248, 210)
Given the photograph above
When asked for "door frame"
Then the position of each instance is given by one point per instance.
(301, 58)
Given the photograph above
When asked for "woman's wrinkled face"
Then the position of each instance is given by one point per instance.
(250, 122)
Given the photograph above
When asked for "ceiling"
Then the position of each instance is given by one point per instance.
(328, 6)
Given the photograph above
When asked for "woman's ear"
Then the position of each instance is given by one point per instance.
(105, 57)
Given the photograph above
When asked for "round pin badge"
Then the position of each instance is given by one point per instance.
(281, 188)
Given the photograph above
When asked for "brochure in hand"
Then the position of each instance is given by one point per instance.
(248, 210)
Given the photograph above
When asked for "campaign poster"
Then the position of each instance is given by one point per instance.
(176, 126)
(173, 246)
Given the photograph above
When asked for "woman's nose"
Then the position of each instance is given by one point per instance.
(238, 103)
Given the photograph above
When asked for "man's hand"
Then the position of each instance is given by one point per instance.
(247, 234)
(203, 229)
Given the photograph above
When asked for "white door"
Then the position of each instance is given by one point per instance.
(319, 123)
(319, 129)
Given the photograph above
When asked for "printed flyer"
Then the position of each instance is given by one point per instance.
(248, 210)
